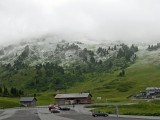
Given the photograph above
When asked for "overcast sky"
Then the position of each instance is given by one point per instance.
(127, 20)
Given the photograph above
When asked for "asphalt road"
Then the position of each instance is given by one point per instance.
(24, 115)
(74, 114)
(80, 116)
(1, 112)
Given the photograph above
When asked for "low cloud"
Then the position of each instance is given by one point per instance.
(104, 20)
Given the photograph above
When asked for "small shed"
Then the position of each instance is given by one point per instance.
(73, 98)
(28, 101)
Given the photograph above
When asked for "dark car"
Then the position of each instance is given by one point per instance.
(64, 108)
(99, 113)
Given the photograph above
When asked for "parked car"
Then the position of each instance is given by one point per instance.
(49, 107)
(64, 108)
(55, 111)
(99, 113)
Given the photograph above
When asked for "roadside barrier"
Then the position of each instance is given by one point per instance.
(37, 107)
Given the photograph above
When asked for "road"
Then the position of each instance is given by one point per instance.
(28, 114)
(80, 116)
(76, 113)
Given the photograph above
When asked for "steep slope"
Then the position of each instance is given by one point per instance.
(46, 64)
(143, 73)
(49, 49)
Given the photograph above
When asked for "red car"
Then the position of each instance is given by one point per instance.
(53, 109)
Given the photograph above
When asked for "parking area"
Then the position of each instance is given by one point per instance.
(24, 115)
(78, 112)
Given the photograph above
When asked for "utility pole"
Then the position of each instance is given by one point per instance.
(116, 111)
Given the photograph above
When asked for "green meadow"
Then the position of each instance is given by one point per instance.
(115, 89)
(9, 102)
(144, 108)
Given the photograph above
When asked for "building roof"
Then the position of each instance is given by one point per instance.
(152, 88)
(27, 99)
(73, 95)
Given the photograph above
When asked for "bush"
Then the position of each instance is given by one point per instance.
(124, 87)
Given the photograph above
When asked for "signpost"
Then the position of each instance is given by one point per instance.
(116, 111)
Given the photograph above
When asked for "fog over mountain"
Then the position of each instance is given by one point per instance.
(83, 20)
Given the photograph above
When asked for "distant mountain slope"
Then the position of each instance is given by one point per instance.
(140, 75)
(48, 49)
(149, 57)
(48, 64)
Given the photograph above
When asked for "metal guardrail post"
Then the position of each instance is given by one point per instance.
(116, 111)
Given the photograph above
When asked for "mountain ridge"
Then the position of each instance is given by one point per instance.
(94, 69)
(46, 49)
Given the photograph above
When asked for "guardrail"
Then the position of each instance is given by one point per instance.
(38, 107)
(1, 107)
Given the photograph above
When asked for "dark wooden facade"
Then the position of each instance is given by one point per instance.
(75, 98)
(28, 101)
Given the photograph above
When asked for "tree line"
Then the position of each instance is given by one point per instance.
(12, 92)
(51, 75)
(115, 62)
(153, 47)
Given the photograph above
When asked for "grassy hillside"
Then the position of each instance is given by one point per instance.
(144, 73)
(45, 98)
(109, 86)
(17, 78)
(9, 102)
(144, 108)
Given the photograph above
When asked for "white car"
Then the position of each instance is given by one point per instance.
(54, 110)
